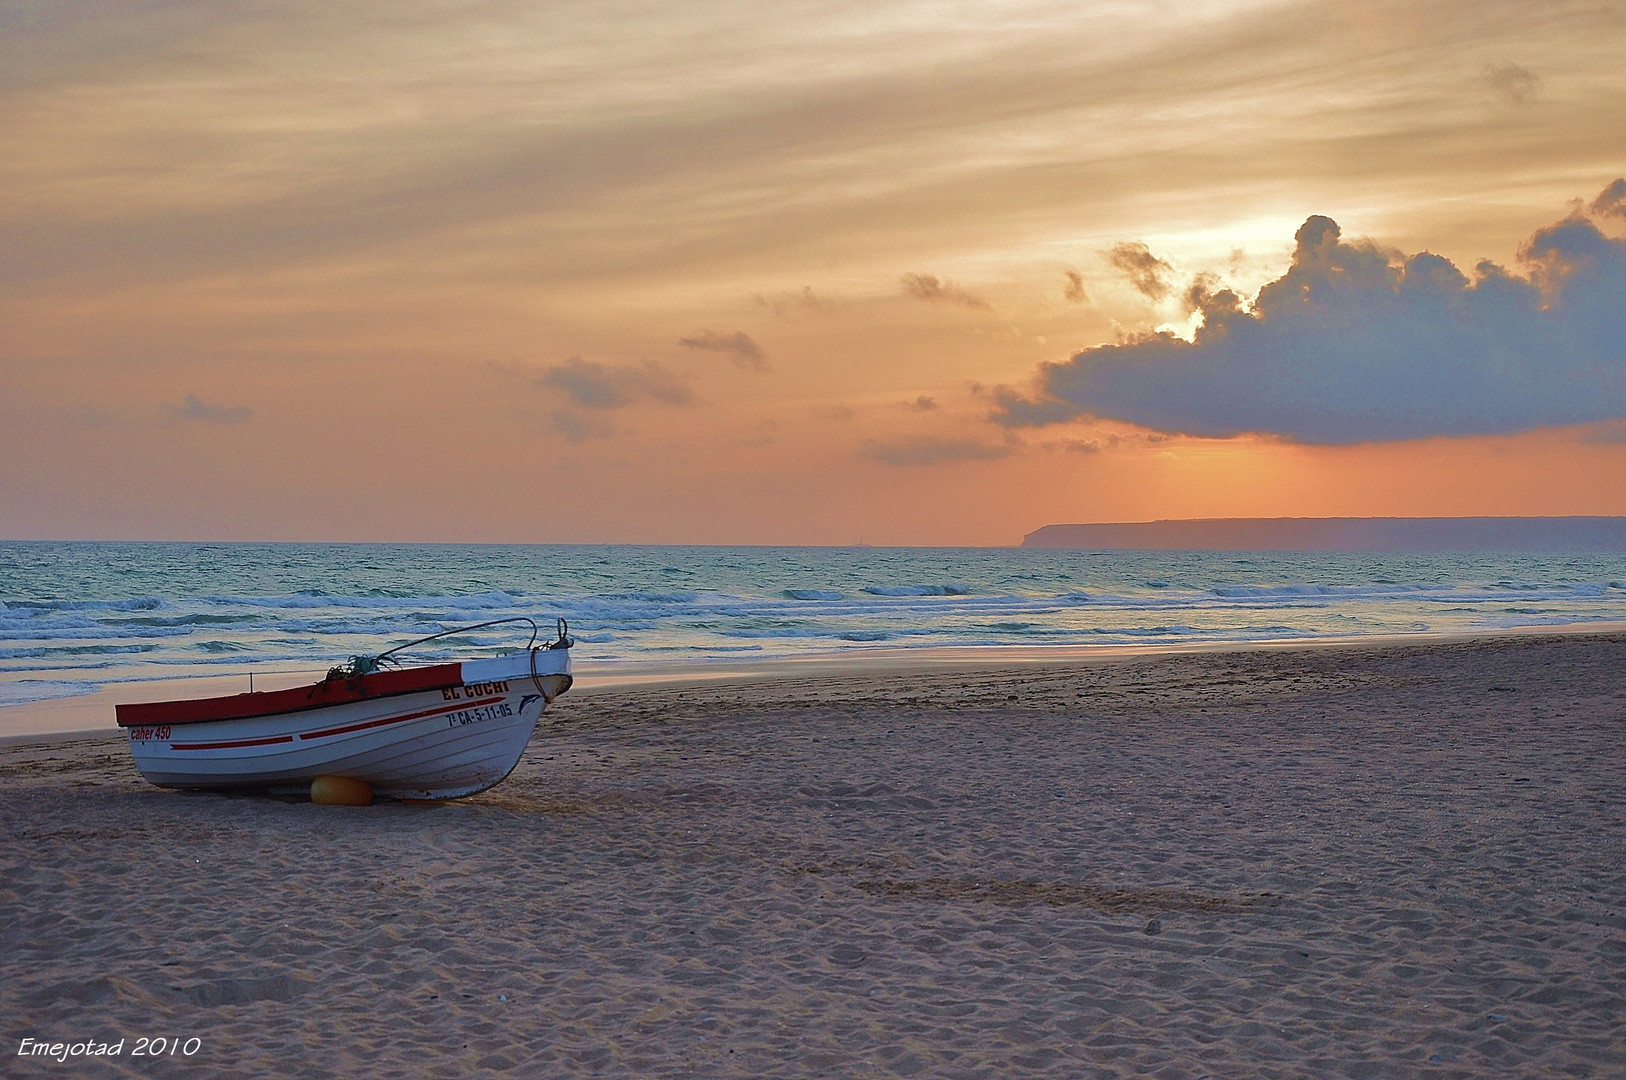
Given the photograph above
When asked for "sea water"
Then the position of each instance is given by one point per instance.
(75, 616)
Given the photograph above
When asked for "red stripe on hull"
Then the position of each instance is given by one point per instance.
(400, 719)
(298, 699)
(231, 745)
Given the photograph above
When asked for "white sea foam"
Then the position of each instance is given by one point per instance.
(27, 691)
(916, 590)
(312, 604)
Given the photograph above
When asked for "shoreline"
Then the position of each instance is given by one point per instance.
(94, 712)
(1383, 861)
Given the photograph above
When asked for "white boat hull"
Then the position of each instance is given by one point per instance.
(429, 744)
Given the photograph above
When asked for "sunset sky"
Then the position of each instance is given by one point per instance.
(804, 272)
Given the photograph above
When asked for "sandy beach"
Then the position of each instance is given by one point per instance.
(1387, 861)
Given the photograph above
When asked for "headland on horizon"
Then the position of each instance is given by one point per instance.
(1477, 534)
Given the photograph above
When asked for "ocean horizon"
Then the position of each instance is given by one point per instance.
(76, 616)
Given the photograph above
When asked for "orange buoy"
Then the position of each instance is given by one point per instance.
(341, 791)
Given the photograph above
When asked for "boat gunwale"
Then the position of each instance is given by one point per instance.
(297, 699)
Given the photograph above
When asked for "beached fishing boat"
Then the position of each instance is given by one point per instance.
(432, 732)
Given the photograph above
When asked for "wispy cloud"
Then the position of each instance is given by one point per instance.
(1611, 201)
(931, 450)
(195, 408)
(577, 426)
(552, 126)
(1356, 344)
(1148, 273)
(1513, 83)
(928, 287)
(807, 300)
(612, 386)
(1080, 446)
(738, 346)
(1073, 291)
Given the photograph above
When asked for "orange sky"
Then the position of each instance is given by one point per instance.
(274, 271)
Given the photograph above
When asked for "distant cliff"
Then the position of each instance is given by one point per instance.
(1551, 534)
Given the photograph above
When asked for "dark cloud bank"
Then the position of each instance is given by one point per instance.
(1357, 344)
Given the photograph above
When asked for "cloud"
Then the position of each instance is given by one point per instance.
(806, 300)
(1611, 201)
(604, 386)
(1074, 289)
(738, 345)
(922, 404)
(1357, 344)
(194, 408)
(522, 139)
(1144, 270)
(577, 427)
(929, 288)
(930, 450)
(1514, 84)
(761, 433)
(1011, 409)
(92, 417)
(1607, 433)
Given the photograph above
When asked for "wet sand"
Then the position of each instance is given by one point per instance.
(1336, 862)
